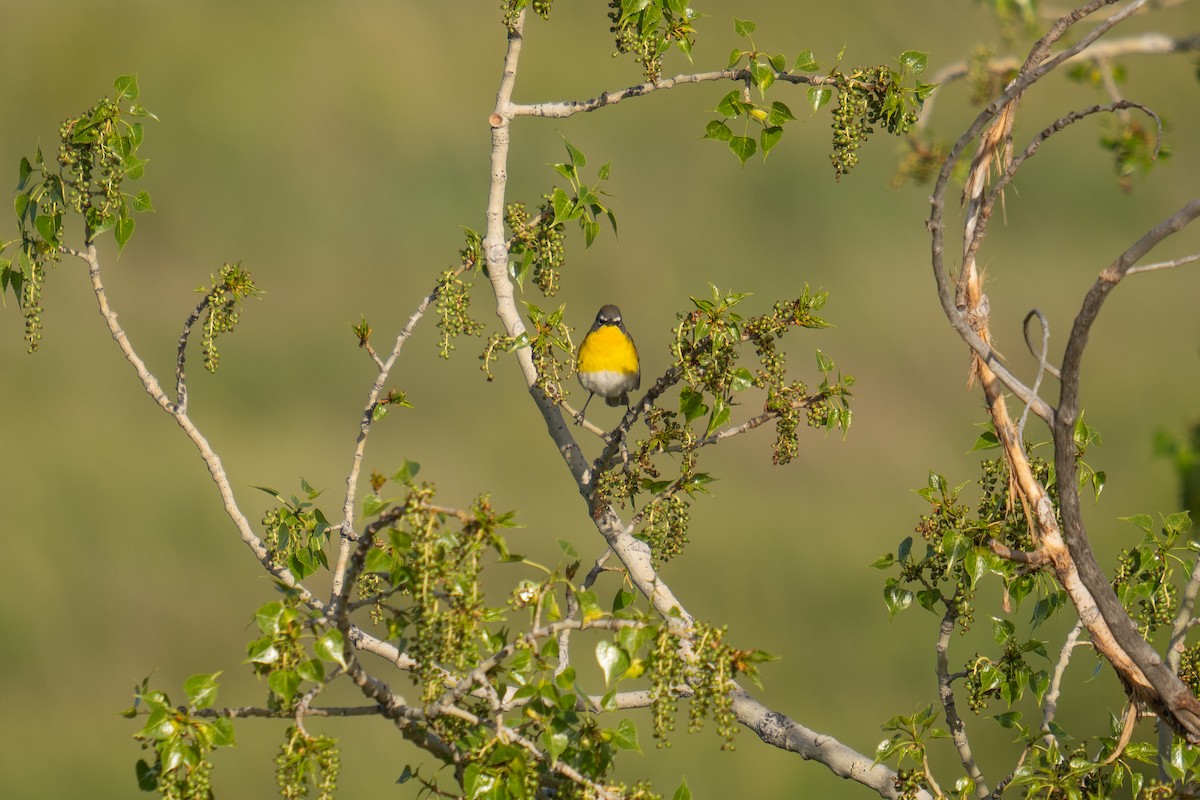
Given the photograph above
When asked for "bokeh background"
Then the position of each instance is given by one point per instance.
(336, 149)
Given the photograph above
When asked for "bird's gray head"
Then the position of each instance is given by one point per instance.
(608, 315)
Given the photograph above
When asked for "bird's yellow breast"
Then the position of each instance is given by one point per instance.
(608, 349)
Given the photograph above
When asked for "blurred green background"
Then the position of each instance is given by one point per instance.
(335, 149)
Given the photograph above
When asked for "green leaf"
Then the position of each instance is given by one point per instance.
(328, 647)
(563, 207)
(623, 599)
(123, 229)
(220, 732)
(975, 564)
(769, 138)
(1011, 719)
(141, 202)
(883, 562)
(127, 87)
(743, 147)
(625, 737)
(372, 504)
(730, 105)
(1002, 630)
(262, 651)
(986, 441)
(824, 363)
(819, 96)
(135, 167)
(691, 404)
(779, 114)
(1143, 521)
(612, 659)
(715, 129)
(24, 171)
(201, 690)
(806, 63)
(914, 61)
(147, 778)
(1177, 523)
(896, 597)
(589, 604)
(683, 792)
(740, 379)
(311, 670)
(285, 683)
(578, 160)
(408, 470)
(555, 743)
(744, 27)
(48, 227)
(720, 415)
(591, 229)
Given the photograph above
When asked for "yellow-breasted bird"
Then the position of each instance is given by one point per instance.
(608, 360)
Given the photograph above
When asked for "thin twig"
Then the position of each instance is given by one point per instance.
(1043, 367)
(958, 731)
(1178, 262)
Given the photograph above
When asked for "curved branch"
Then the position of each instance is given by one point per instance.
(211, 460)
(1146, 44)
(1166, 694)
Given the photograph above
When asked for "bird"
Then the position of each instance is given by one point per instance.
(608, 360)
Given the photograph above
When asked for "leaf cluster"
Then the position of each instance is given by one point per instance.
(223, 301)
(182, 739)
(870, 96)
(867, 96)
(97, 153)
(708, 344)
(297, 531)
(763, 69)
(292, 648)
(537, 244)
(1145, 577)
(452, 299)
(306, 762)
(647, 29)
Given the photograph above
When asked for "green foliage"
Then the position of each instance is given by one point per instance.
(647, 29)
(709, 672)
(958, 544)
(221, 308)
(537, 244)
(707, 348)
(1184, 454)
(908, 743)
(763, 69)
(866, 96)
(1134, 147)
(1145, 579)
(291, 650)
(182, 739)
(549, 341)
(869, 96)
(437, 567)
(97, 152)
(963, 548)
(297, 531)
(307, 762)
(512, 8)
(453, 298)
